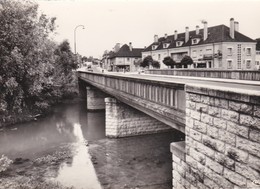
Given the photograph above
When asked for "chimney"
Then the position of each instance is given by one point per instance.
(232, 28)
(197, 30)
(165, 36)
(205, 35)
(155, 38)
(237, 26)
(175, 35)
(130, 46)
(186, 34)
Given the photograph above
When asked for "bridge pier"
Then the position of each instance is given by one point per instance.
(95, 98)
(123, 120)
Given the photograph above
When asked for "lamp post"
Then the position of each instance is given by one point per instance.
(75, 47)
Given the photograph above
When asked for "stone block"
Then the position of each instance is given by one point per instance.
(236, 154)
(225, 161)
(194, 97)
(219, 123)
(249, 146)
(214, 111)
(257, 111)
(211, 184)
(235, 177)
(249, 121)
(205, 118)
(197, 156)
(212, 131)
(221, 103)
(237, 129)
(191, 105)
(190, 161)
(195, 115)
(205, 99)
(247, 171)
(254, 135)
(254, 162)
(240, 107)
(213, 143)
(205, 150)
(200, 127)
(189, 122)
(200, 107)
(216, 167)
(227, 137)
(195, 135)
(230, 115)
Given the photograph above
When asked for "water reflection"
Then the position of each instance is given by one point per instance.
(81, 165)
(70, 125)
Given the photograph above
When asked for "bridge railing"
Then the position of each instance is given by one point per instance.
(168, 94)
(253, 75)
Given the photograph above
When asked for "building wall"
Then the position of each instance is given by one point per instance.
(197, 52)
(222, 144)
(125, 61)
(257, 60)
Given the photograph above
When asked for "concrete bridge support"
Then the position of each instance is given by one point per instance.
(123, 120)
(222, 145)
(95, 98)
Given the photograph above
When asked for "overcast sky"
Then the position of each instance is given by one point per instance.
(108, 22)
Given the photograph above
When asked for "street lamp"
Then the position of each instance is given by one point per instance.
(75, 37)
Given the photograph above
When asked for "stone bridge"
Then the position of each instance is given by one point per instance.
(220, 119)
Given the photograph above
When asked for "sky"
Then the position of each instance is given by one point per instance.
(108, 22)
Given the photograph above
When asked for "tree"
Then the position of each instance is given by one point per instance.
(155, 64)
(147, 61)
(30, 62)
(168, 61)
(186, 60)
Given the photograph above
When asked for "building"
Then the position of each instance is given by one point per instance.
(125, 58)
(257, 56)
(219, 47)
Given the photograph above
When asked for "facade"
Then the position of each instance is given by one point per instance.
(257, 56)
(219, 47)
(125, 58)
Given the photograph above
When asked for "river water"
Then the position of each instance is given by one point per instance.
(69, 147)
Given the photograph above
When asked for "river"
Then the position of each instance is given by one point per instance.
(69, 149)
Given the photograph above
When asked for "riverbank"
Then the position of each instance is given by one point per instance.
(7, 120)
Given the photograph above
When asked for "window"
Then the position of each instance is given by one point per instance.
(229, 64)
(248, 63)
(159, 57)
(229, 51)
(128, 59)
(195, 41)
(194, 54)
(154, 47)
(165, 45)
(248, 51)
(179, 43)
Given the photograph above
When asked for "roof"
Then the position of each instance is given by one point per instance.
(216, 34)
(258, 44)
(124, 51)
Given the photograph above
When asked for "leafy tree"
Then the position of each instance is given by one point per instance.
(30, 62)
(147, 61)
(168, 61)
(186, 60)
(156, 64)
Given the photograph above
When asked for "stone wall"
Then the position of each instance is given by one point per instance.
(123, 120)
(222, 145)
(95, 99)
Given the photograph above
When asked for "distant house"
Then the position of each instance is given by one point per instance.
(219, 47)
(125, 58)
(257, 56)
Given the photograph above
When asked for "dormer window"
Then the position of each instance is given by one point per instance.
(179, 43)
(154, 47)
(195, 41)
(166, 45)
